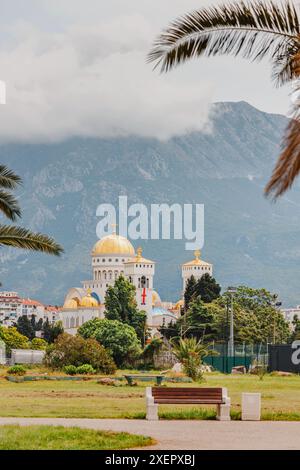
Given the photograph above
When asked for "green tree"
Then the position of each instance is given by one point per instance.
(51, 332)
(77, 351)
(253, 30)
(256, 319)
(18, 237)
(296, 328)
(189, 292)
(207, 288)
(198, 321)
(38, 344)
(117, 337)
(25, 327)
(13, 339)
(120, 304)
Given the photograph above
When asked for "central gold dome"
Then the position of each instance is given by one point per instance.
(113, 245)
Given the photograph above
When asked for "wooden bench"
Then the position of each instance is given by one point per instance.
(187, 396)
(131, 377)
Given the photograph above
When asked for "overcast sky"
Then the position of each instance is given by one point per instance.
(77, 67)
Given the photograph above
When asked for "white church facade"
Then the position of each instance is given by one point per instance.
(113, 256)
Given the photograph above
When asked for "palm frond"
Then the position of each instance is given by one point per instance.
(9, 205)
(18, 237)
(288, 163)
(9, 179)
(253, 30)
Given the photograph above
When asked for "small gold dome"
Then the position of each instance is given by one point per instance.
(88, 301)
(71, 303)
(113, 245)
(179, 304)
(155, 298)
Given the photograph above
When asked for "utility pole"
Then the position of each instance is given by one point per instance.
(231, 291)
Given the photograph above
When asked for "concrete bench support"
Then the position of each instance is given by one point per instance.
(223, 410)
(152, 408)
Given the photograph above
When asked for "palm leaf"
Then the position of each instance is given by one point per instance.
(9, 205)
(288, 164)
(251, 29)
(18, 237)
(8, 179)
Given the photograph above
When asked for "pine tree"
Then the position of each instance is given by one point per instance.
(189, 292)
(24, 326)
(207, 288)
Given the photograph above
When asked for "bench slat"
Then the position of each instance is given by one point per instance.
(180, 395)
(187, 401)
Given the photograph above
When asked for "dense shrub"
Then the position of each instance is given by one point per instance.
(17, 370)
(119, 338)
(85, 369)
(38, 344)
(70, 370)
(13, 339)
(76, 351)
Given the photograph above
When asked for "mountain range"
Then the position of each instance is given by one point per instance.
(249, 239)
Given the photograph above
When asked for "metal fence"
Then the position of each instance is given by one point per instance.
(243, 355)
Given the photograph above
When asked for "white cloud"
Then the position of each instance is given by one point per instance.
(75, 68)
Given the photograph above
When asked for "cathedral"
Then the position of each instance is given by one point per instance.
(113, 256)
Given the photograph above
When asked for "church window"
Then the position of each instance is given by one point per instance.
(147, 282)
(103, 261)
(109, 260)
(139, 282)
(117, 260)
(97, 261)
(143, 281)
(123, 260)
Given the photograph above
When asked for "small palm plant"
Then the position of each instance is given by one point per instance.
(190, 353)
(14, 236)
(255, 29)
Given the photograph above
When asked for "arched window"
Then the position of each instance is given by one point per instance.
(147, 282)
(139, 282)
(104, 275)
(110, 275)
(143, 282)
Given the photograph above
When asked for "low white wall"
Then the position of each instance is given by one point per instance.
(26, 356)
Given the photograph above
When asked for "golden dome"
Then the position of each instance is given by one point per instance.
(113, 245)
(71, 303)
(89, 301)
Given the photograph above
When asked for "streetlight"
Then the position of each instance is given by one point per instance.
(275, 304)
(231, 291)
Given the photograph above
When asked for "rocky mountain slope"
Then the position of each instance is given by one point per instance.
(247, 238)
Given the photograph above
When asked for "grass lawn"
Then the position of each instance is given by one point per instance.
(59, 438)
(280, 398)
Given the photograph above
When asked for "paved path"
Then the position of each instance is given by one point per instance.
(191, 435)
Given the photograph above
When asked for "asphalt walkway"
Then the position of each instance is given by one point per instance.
(191, 435)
